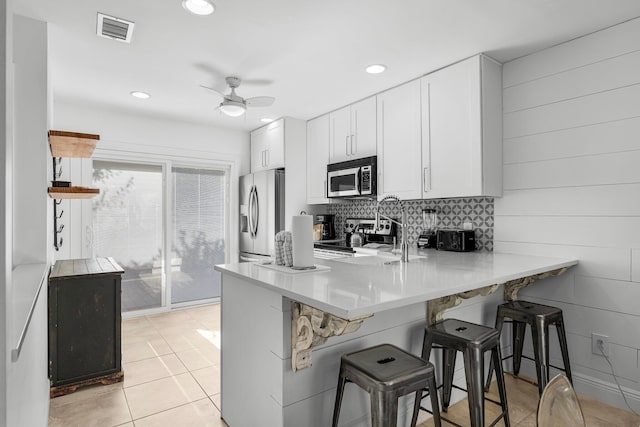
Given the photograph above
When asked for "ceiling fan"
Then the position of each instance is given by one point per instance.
(234, 105)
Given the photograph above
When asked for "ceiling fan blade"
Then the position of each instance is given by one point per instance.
(260, 101)
(213, 90)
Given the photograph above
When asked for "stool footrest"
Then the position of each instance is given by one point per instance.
(533, 360)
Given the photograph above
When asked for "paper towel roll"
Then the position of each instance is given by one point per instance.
(302, 240)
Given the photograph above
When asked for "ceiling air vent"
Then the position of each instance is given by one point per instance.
(114, 28)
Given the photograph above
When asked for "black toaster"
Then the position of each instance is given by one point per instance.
(456, 240)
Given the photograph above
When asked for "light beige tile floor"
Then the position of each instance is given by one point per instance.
(522, 399)
(171, 368)
(171, 364)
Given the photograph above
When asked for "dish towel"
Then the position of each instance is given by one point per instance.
(284, 249)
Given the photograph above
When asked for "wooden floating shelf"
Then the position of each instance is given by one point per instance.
(72, 144)
(73, 192)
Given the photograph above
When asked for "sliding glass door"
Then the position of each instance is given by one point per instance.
(128, 226)
(145, 209)
(198, 233)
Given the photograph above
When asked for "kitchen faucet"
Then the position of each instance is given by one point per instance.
(404, 245)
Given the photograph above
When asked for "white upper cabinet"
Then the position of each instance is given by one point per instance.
(462, 130)
(353, 131)
(317, 159)
(267, 147)
(399, 142)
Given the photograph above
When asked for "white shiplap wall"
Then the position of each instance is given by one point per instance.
(572, 188)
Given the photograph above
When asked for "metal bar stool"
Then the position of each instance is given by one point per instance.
(473, 341)
(538, 317)
(386, 372)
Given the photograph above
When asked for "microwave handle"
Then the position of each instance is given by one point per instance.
(358, 180)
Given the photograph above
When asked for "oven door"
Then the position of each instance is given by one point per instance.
(343, 182)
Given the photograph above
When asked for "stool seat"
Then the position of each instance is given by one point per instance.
(386, 372)
(526, 310)
(538, 317)
(473, 341)
(460, 335)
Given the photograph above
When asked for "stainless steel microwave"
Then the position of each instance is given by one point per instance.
(353, 178)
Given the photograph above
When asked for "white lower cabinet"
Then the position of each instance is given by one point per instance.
(317, 159)
(462, 130)
(399, 142)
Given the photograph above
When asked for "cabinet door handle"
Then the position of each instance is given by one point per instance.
(266, 157)
(352, 150)
(427, 180)
(346, 145)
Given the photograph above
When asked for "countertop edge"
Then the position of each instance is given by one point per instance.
(376, 308)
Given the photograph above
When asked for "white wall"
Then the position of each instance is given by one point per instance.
(6, 118)
(295, 157)
(572, 188)
(128, 135)
(24, 385)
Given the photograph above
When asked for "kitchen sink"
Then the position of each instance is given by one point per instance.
(376, 259)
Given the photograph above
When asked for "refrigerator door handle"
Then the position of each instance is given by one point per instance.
(256, 211)
(250, 211)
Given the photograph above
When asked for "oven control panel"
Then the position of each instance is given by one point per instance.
(367, 225)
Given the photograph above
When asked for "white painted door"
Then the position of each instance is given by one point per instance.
(399, 142)
(363, 128)
(258, 150)
(267, 147)
(340, 135)
(317, 159)
(452, 138)
(274, 135)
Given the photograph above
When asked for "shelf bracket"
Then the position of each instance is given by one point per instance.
(311, 327)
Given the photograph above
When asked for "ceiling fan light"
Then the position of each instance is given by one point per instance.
(199, 7)
(232, 108)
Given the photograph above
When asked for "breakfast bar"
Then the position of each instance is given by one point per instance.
(283, 332)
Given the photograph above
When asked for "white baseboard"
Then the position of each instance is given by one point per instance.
(596, 388)
(605, 391)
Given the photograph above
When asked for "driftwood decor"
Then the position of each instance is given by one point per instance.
(436, 307)
(311, 327)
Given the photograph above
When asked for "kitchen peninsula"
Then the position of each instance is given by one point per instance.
(364, 301)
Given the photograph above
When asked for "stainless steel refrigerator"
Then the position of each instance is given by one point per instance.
(261, 213)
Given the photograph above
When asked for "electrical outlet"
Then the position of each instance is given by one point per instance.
(596, 340)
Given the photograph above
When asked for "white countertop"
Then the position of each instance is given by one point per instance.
(351, 289)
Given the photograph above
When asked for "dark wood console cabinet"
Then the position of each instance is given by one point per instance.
(84, 324)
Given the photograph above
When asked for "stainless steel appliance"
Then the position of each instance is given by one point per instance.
(324, 223)
(456, 240)
(428, 238)
(383, 236)
(353, 178)
(261, 213)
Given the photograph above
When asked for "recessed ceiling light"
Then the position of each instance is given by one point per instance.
(266, 120)
(376, 68)
(199, 7)
(141, 95)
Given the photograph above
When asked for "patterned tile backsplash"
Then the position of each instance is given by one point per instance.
(452, 213)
